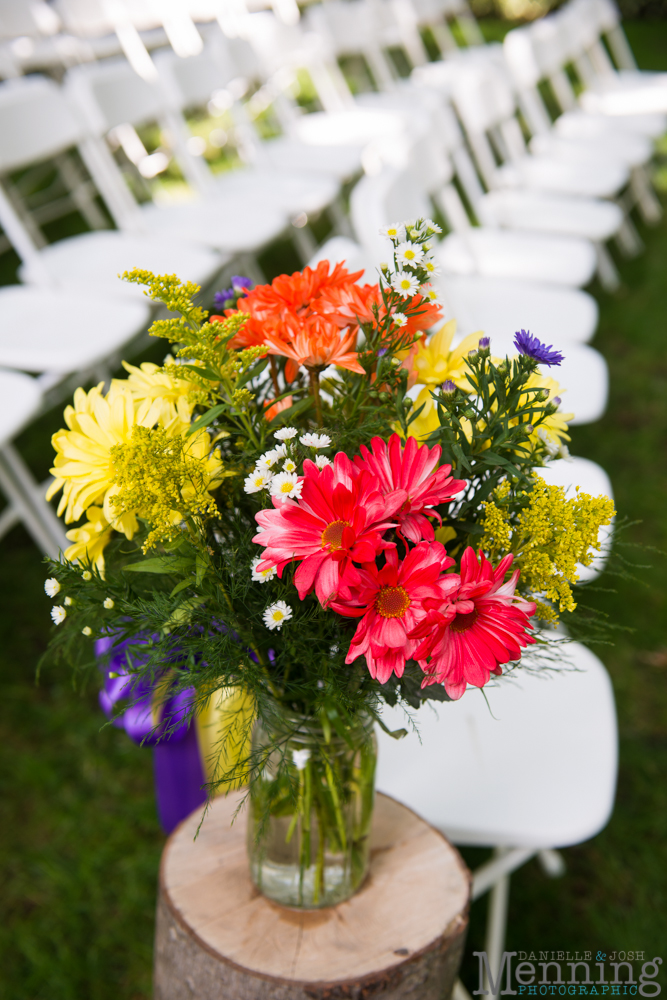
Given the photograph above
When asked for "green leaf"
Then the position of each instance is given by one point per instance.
(294, 411)
(206, 418)
(181, 586)
(255, 369)
(160, 564)
(203, 371)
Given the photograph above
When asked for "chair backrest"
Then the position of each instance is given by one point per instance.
(191, 82)
(376, 202)
(354, 27)
(111, 94)
(19, 19)
(36, 122)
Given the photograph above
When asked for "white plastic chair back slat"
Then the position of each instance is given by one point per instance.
(19, 19)
(191, 82)
(35, 123)
(112, 94)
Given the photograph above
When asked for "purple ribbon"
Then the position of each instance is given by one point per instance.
(178, 768)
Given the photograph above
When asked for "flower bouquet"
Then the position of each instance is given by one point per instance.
(281, 521)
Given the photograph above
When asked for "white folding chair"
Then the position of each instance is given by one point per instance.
(534, 55)
(110, 95)
(191, 83)
(582, 23)
(397, 194)
(527, 767)
(20, 402)
(437, 16)
(37, 124)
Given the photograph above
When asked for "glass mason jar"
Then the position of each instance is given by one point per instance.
(311, 809)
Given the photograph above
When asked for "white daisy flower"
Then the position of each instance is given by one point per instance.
(280, 451)
(405, 284)
(51, 587)
(409, 254)
(429, 266)
(321, 461)
(267, 460)
(394, 232)
(433, 226)
(289, 465)
(431, 294)
(58, 614)
(68, 602)
(300, 758)
(276, 614)
(315, 440)
(86, 575)
(261, 575)
(400, 319)
(257, 480)
(286, 484)
(86, 630)
(109, 603)
(286, 433)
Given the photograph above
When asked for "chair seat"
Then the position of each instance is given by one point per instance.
(536, 767)
(597, 179)
(633, 150)
(64, 332)
(344, 161)
(501, 253)
(583, 376)
(21, 399)
(581, 123)
(591, 478)
(590, 218)
(627, 93)
(356, 127)
(499, 307)
(90, 263)
(228, 223)
(292, 192)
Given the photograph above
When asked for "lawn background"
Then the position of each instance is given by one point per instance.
(79, 839)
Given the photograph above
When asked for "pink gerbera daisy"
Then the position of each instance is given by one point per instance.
(412, 468)
(481, 625)
(339, 518)
(391, 601)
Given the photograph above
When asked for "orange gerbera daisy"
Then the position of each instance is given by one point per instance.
(314, 342)
(351, 305)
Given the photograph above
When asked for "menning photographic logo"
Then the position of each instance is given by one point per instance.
(546, 974)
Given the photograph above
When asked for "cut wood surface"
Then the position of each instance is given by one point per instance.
(401, 936)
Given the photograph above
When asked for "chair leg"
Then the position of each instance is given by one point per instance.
(23, 494)
(607, 273)
(552, 863)
(628, 240)
(496, 923)
(646, 199)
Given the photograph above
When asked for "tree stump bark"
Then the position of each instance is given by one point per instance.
(400, 937)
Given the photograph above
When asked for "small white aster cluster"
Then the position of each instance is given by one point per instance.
(52, 588)
(413, 265)
(276, 470)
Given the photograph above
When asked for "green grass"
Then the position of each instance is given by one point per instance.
(79, 841)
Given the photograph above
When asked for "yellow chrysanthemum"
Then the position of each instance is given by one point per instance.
(437, 362)
(160, 396)
(90, 539)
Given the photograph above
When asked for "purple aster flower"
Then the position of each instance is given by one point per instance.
(529, 345)
(448, 387)
(228, 295)
(239, 283)
(222, 298)
(484, 343)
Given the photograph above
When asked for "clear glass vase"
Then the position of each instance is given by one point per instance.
(311, 809)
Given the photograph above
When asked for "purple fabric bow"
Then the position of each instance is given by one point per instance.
(178, 767)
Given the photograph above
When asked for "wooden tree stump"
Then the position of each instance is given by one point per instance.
(399, 938)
